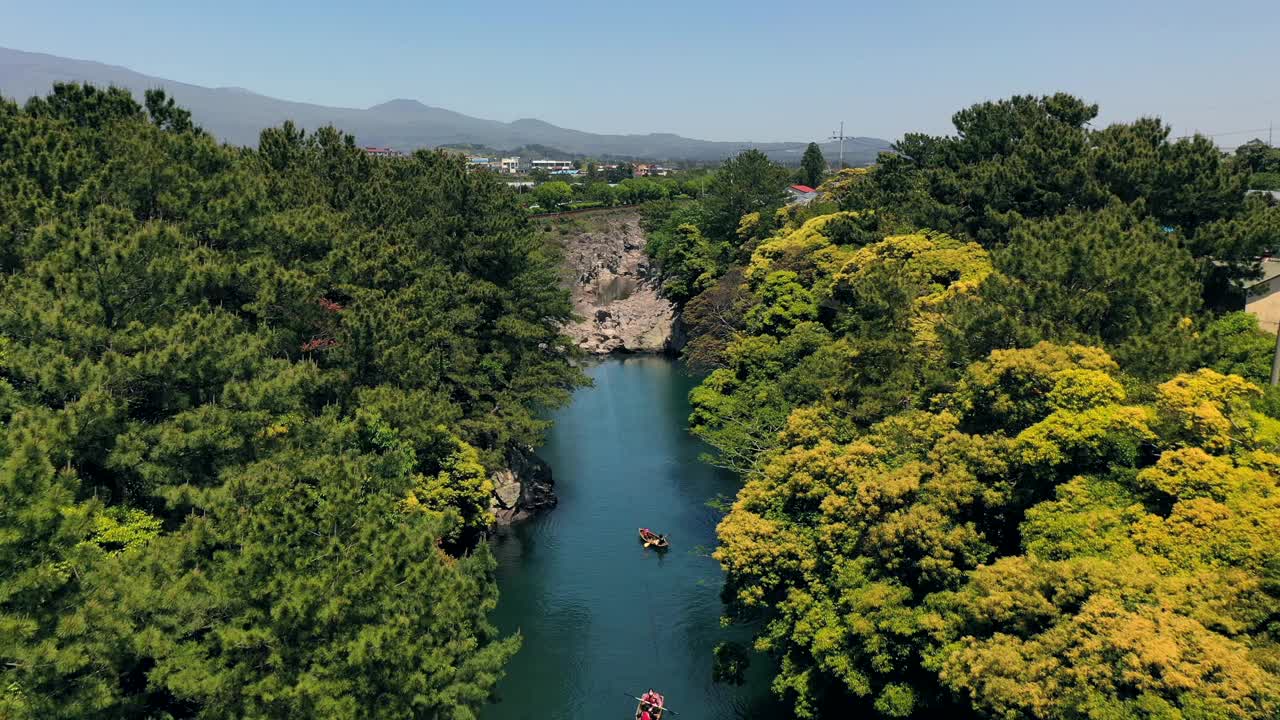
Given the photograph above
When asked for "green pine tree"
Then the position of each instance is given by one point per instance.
(812, 166)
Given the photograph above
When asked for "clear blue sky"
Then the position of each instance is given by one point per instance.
(738, 70)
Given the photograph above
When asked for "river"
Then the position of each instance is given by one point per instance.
(600, 615)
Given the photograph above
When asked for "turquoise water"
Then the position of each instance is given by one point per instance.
(600, 615)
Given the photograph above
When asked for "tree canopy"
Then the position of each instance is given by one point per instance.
(1262, 161)
(813, 167)
(746, 183)
(1004, 450)
(251, 400)
(1139, 581)
(1036, 157)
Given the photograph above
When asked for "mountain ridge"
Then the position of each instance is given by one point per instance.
(237, 115)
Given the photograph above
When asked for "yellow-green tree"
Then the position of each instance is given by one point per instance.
(1037, 547)
(836, 318)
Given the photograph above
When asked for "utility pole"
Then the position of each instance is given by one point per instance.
(1275, 359)
(840, 137)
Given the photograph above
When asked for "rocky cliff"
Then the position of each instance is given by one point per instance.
(521, 489)
(614, 287)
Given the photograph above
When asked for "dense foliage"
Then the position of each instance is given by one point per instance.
(694, 243)
(1033, 158)
(1005, 454)
(250, 401)
(813, 167)
(552, 196)
(1039, 546)
(1263, 162)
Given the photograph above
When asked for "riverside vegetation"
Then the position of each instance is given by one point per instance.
(1006, 449)
(250, 401)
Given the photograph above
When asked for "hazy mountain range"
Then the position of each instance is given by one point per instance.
(237, 116)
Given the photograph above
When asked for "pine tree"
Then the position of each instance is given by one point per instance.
(251, 401)
(746, 183)
(812, 166)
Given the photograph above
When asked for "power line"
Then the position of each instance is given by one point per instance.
(1269, 130)
(1221, 134)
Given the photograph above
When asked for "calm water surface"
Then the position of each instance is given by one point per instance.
(600, 615)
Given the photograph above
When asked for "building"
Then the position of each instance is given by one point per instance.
(382, 152)
(1262, 296)
(509, 165)
(553, 166)
(482, 163)
(801, 194)
(646, 170)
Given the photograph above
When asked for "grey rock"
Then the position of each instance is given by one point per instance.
(523, 488)
(616, 292)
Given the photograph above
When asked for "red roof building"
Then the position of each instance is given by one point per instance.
(802, 194)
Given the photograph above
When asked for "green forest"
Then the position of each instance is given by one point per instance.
(1005, 442)
(250, 400)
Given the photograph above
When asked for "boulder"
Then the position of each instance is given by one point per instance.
(521, 489)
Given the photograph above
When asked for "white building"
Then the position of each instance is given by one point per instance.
(553, 165)
(510, 165)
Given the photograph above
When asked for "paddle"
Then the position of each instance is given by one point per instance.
(663, 708)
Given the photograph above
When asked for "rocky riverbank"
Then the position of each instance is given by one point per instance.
(614, 287)
(521, 489)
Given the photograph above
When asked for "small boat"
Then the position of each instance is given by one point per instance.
(656, 710)
(653, 540)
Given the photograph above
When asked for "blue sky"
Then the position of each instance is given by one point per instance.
(718, 70)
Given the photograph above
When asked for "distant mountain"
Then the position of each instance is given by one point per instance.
(237, 116)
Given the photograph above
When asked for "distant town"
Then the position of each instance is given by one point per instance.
(516, 165)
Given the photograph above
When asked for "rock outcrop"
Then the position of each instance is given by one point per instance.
(521, 489)
(615, 290)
